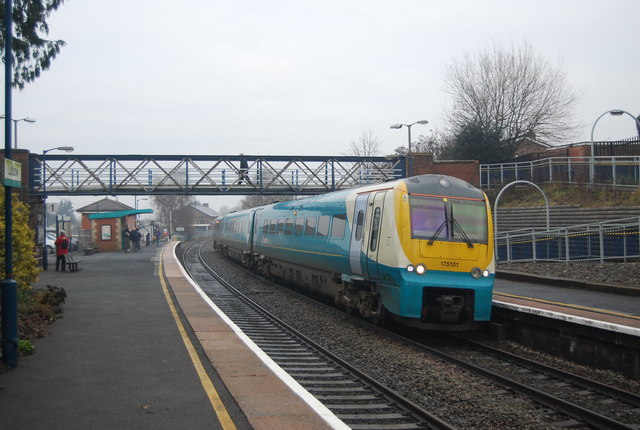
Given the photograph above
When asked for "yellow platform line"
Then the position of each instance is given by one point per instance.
(566, 305)
(214, 398)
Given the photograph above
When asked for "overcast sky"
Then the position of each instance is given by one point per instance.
(300, 77)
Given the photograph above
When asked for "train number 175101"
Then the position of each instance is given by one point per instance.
(449, 263)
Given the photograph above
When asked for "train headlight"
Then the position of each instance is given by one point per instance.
(486, 274)
(476, 273)
(410, 268)
(421, 269)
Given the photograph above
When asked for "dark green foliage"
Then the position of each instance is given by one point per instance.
(37, 308)
(32, 53)
(474, 142)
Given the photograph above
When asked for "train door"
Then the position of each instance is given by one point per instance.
(255, 226)
(357, 234)
(374, 238)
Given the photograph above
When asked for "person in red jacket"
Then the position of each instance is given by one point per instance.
(62, 249)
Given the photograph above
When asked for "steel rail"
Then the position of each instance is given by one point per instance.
(586, 383)
(421, 417)
(562, 406)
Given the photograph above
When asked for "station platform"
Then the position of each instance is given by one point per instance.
(139, 347)
(609, 307)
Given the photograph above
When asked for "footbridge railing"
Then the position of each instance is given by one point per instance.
(616, 171)
(206, 175)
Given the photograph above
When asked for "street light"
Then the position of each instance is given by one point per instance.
(139, 200)
(613, 112)
(398, 126)
(136, 205)
(15, 128)
(43, 167)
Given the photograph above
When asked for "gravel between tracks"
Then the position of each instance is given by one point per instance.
(455, 395)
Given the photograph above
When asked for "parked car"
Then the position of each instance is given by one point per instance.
(50, 243)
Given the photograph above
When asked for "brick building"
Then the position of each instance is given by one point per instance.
(103, 221)
(467, 170)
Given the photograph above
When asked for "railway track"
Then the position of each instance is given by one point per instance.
(585, 402)
(359, 401)
(577, 402)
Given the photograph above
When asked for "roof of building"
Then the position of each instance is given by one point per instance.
(118, 214)
(206, 210)
(104, 205)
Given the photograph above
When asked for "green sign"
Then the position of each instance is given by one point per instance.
(12, 175)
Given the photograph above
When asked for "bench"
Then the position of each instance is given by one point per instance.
(90, 249)
(72, 265)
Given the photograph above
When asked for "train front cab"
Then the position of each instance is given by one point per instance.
(447, 279)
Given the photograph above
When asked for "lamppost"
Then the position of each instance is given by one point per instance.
(139, 200)
(613, 112)
(15, 128)
(136, 206)
(397, 126)
(43, 167)
(9, 286)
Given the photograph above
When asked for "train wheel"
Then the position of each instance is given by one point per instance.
(349, 310)
(382, 319)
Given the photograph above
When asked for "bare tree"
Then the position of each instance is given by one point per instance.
(436, 143)
(367, 145)
(512, 92)
(255, 200)
(170, 207)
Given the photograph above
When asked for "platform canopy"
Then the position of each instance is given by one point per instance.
(119, 214)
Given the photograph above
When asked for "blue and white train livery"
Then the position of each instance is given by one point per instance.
(419, 250)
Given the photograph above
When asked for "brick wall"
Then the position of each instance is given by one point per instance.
(467, 170)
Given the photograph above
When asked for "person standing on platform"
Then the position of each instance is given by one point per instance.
(135, 239)
(157, 234)
(126, 237)
(148, 237)
(62, 249)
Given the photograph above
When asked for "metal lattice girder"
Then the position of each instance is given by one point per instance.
(207, 175)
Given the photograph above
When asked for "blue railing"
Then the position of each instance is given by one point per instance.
(610, 240)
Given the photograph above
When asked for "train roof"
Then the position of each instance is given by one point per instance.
(431, 184)
(442, 185)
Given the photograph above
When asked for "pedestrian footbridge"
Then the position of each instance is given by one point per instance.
(57, 174)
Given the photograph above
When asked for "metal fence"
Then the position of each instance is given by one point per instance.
(618, 171)
(611, 240)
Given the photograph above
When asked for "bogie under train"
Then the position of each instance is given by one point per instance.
(419, 250)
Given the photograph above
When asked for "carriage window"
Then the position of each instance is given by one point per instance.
(273, 226)
(289, 226)
(299, 225)
(375, 226)
(281, 225)
(323, 225)
(339, 223)
(359, 223)
(310, 227)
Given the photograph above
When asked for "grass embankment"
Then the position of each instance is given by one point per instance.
(527, 196)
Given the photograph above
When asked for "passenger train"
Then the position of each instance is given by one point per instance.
(418, 250)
